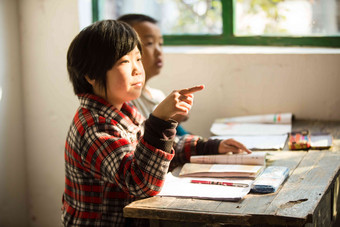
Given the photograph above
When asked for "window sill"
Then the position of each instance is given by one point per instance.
(248, 50)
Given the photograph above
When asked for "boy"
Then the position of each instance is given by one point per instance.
(152, 42)
(111, 156)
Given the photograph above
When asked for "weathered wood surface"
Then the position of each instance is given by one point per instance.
(306, 199)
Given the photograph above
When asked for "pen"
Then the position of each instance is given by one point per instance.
(219, 183)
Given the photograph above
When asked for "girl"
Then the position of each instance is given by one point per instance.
(114, 156)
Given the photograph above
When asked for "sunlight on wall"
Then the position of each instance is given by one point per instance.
(3, 62)
(85, 13)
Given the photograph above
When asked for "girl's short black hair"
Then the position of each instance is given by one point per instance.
(96, 49)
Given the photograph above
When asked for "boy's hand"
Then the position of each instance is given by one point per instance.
(178, 102)
(233, 146)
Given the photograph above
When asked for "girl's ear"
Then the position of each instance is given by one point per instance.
(90, 81)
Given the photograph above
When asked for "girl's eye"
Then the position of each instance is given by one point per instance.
(139, 59)
(124, 61)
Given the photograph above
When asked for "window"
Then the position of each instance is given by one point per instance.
(235, 22)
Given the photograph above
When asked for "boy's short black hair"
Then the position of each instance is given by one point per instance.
(131, 19)
(96, 49)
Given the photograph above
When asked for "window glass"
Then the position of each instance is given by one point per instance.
(287, 18)
(193, 17)
(235, 22)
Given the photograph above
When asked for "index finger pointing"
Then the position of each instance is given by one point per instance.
(191, 90)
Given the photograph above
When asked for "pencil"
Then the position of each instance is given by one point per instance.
(243, 185)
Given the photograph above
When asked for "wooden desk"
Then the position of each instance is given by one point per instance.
(308, 198)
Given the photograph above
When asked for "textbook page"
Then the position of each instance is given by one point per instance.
(181, 187)
(255, 158)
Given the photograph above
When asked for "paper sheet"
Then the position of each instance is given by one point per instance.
(279, 118)
(181, 187)
(264, 142)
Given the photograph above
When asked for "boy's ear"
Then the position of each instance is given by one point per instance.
(90, 81)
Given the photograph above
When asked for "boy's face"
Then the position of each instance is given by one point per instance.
(152, 42)
(125, 80)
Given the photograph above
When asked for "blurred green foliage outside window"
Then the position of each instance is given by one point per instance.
(235, 22)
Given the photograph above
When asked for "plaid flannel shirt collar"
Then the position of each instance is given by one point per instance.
(128, 115)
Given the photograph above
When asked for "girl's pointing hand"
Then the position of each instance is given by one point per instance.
(178, 102)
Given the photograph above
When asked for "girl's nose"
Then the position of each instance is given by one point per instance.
(137, 68)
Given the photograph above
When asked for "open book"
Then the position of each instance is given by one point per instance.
(183, 187)
(220, 170)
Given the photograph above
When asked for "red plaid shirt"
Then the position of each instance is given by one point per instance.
(111, 161)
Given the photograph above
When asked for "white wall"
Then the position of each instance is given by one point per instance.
(13, 187)
(236, 84)
(298, 80)
(47, 28)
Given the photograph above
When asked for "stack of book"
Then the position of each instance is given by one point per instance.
(227, 165)
(218, 177)
(270, 180)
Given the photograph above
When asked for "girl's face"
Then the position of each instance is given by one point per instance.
(124, 81)
(152, 41)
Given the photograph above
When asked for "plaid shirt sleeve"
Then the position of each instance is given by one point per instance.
(189, 145)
